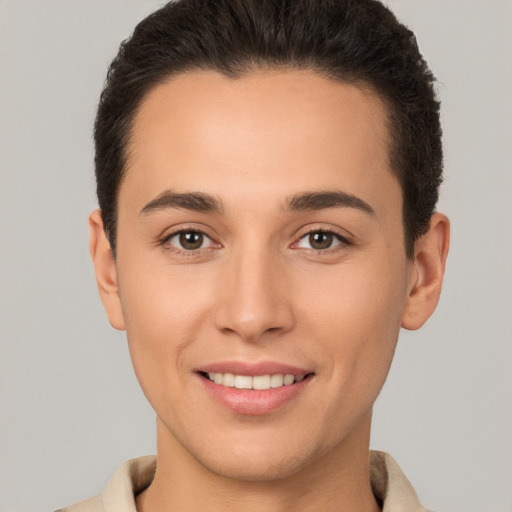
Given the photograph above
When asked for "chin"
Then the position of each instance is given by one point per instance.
(260, 469)
(258, 456)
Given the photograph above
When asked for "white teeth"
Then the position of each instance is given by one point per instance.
(228, 379)
(243, 382)
(288, 379)
(260, 382)
(276, 381)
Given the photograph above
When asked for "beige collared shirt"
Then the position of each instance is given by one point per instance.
(389, 484)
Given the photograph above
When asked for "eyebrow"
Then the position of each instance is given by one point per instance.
(195, 201)
(326, 199)
(201, 202)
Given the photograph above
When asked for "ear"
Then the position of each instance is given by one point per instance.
(105, 268)
(430, 254)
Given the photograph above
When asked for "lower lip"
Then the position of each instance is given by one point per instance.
(254, 402)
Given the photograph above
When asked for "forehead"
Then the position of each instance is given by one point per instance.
(284, 129)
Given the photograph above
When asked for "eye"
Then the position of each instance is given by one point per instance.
(188, 240)
(321, 240)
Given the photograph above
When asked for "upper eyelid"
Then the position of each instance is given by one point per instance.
(344, 243)
(171, 232)
(184, 228)
(164, 242)
(344, 237)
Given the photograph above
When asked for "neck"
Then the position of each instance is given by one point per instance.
(334, 482)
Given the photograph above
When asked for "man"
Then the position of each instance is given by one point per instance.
(267, 176)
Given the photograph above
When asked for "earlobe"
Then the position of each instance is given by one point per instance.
(430, 254)
(105, 268)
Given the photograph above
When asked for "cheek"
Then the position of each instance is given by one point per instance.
(356, 315)
(163, 311)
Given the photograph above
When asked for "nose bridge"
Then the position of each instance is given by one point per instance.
(254, 300)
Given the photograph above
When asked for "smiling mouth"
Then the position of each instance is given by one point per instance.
(256, 382)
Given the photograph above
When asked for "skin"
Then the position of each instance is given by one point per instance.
(257, 290)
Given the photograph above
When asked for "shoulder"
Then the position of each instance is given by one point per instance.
(89, 505)
(391, 486)
(119, 493)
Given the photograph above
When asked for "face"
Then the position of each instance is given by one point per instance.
(260, 244)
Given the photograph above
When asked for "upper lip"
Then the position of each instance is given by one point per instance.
(247, 368)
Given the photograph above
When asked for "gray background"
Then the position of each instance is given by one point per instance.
(70, 408)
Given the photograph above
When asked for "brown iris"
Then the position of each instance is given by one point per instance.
(320, 240)
(191, 240)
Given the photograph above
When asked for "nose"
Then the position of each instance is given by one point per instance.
(255, 299)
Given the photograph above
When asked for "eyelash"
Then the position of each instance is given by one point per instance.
(165, 242)
(343, 241)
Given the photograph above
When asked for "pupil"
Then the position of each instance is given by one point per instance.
(320, 240)
(191, 240)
